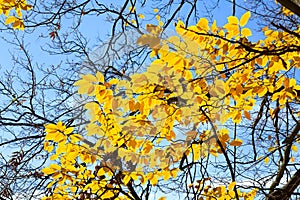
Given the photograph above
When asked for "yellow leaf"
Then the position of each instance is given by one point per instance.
(244, 19)
(162, 198)
(59, 137)
(203, 24)
(231, 194)
(101, 172)
(292, 159)
(147, 148)
(113, 81)
(91, 89)
(160, 23)
(10, 19)
(131, 9)
(61, 148)
(53, 168)
(294, 148)
(133, 21)
(233, 20)
(153, 180)
(141, 16)
(90, 78)
(26, 7)
(237, 118)
(220, 87)
(126, 179)
(75, 138)
(266, 160)
(179, 27)
(166, 174)
(196, 151)
(54, 157)
(100, 77)
(48, 170)
(173, 172)
(213, 151)
(233, 30)
(69, 130)
(214, 27)
(236, 142)
(231, 185)
(246, 32)
(48, 147)
(19, 12)
(107, 195)
(155, 10)
(262, 91)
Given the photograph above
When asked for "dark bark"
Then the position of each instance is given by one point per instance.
(293, 5)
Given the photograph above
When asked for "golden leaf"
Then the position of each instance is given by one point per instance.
(203, 24)
(246, 32)
(292, 159)
(131, 9)
(236, 142)
(75, 138)
(233, 20)
(107, 195)
(10, 19)
(231, 185)
(294, 148)
(162, 198)
(266, 160)
(214, 27)
(244, 19)
(141, 16)
(126, 179)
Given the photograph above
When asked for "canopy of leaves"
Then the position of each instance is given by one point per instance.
(181, 115)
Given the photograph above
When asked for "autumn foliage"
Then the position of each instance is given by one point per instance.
(182, 113)
(16, 6)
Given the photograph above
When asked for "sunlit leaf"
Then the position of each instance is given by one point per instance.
(246, 32)
(10, 19)
(233, 20)
(244, 19)
(231, 185)
(203, 24)
(294, 148)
